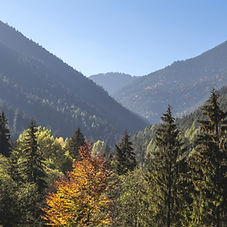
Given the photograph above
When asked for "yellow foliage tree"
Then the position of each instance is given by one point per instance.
(81, 199)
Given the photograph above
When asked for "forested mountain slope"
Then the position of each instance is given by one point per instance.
(112, 81)
(42, 86)
(185, 85)
(143, 141)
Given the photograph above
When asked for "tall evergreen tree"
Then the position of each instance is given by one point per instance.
(165, 176)
(32, 164)
(209, 167)
(124, 159)
(74, 144)
(5, 143)
(31, 190)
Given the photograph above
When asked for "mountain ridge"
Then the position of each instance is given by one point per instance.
(150, 94)
(44, 87)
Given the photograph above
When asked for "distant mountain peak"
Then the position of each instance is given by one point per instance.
(112, 81)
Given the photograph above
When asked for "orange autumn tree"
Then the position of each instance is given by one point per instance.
(81, 198)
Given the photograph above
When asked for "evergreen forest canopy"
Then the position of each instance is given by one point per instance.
(181, 182)
(35, 83)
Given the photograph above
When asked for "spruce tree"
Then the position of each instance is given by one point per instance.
(74, 144)
(209, 167)
(165, 176)
(124, 159)
(32, 164)
(5, 143)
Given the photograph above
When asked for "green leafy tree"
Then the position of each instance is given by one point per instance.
(5, 143)
(124, 159)
(209, 167)
(99, 147)
(132, 207)
(165, 175)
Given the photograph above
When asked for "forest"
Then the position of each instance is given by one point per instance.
(171, 174)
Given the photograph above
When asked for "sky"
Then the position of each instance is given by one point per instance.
(131, 36)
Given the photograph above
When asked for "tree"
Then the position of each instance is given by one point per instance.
(32, 162)
(165, 176)
(124, 159)
(99, 147)
(209, 167)
(81, 198)
(32, 186)
(74, 144)
(5, 143)
(131, 207)
(8, 197)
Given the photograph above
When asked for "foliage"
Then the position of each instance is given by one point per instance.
(81, 198)
(8, 200)
(74, 143)
(31, 160)
(187, 185)
(5, 143)
(165, 174)
(132, 206)
(124, 157)
(209, 167)
(99, 147)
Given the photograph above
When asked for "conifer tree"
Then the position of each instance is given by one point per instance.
(209, 167)
(5, 144)
(74, 144)
(165, 172)
(124, 159)
(8, 198)
(32, 164)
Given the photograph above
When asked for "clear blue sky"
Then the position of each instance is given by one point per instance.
(131, 36)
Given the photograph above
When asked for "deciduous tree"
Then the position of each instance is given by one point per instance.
(81, 198)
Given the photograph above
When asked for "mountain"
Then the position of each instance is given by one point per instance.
(184, 85)
(111, 81)
(40, 85)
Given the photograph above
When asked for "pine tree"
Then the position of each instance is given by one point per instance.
(32, 164)
(124, 159)
(5, 144)
(74, 144)
(209, 167)
(165, 176)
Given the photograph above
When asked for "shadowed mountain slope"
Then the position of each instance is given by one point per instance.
(42, 86)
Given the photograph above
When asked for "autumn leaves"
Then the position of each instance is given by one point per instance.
(81, 197)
